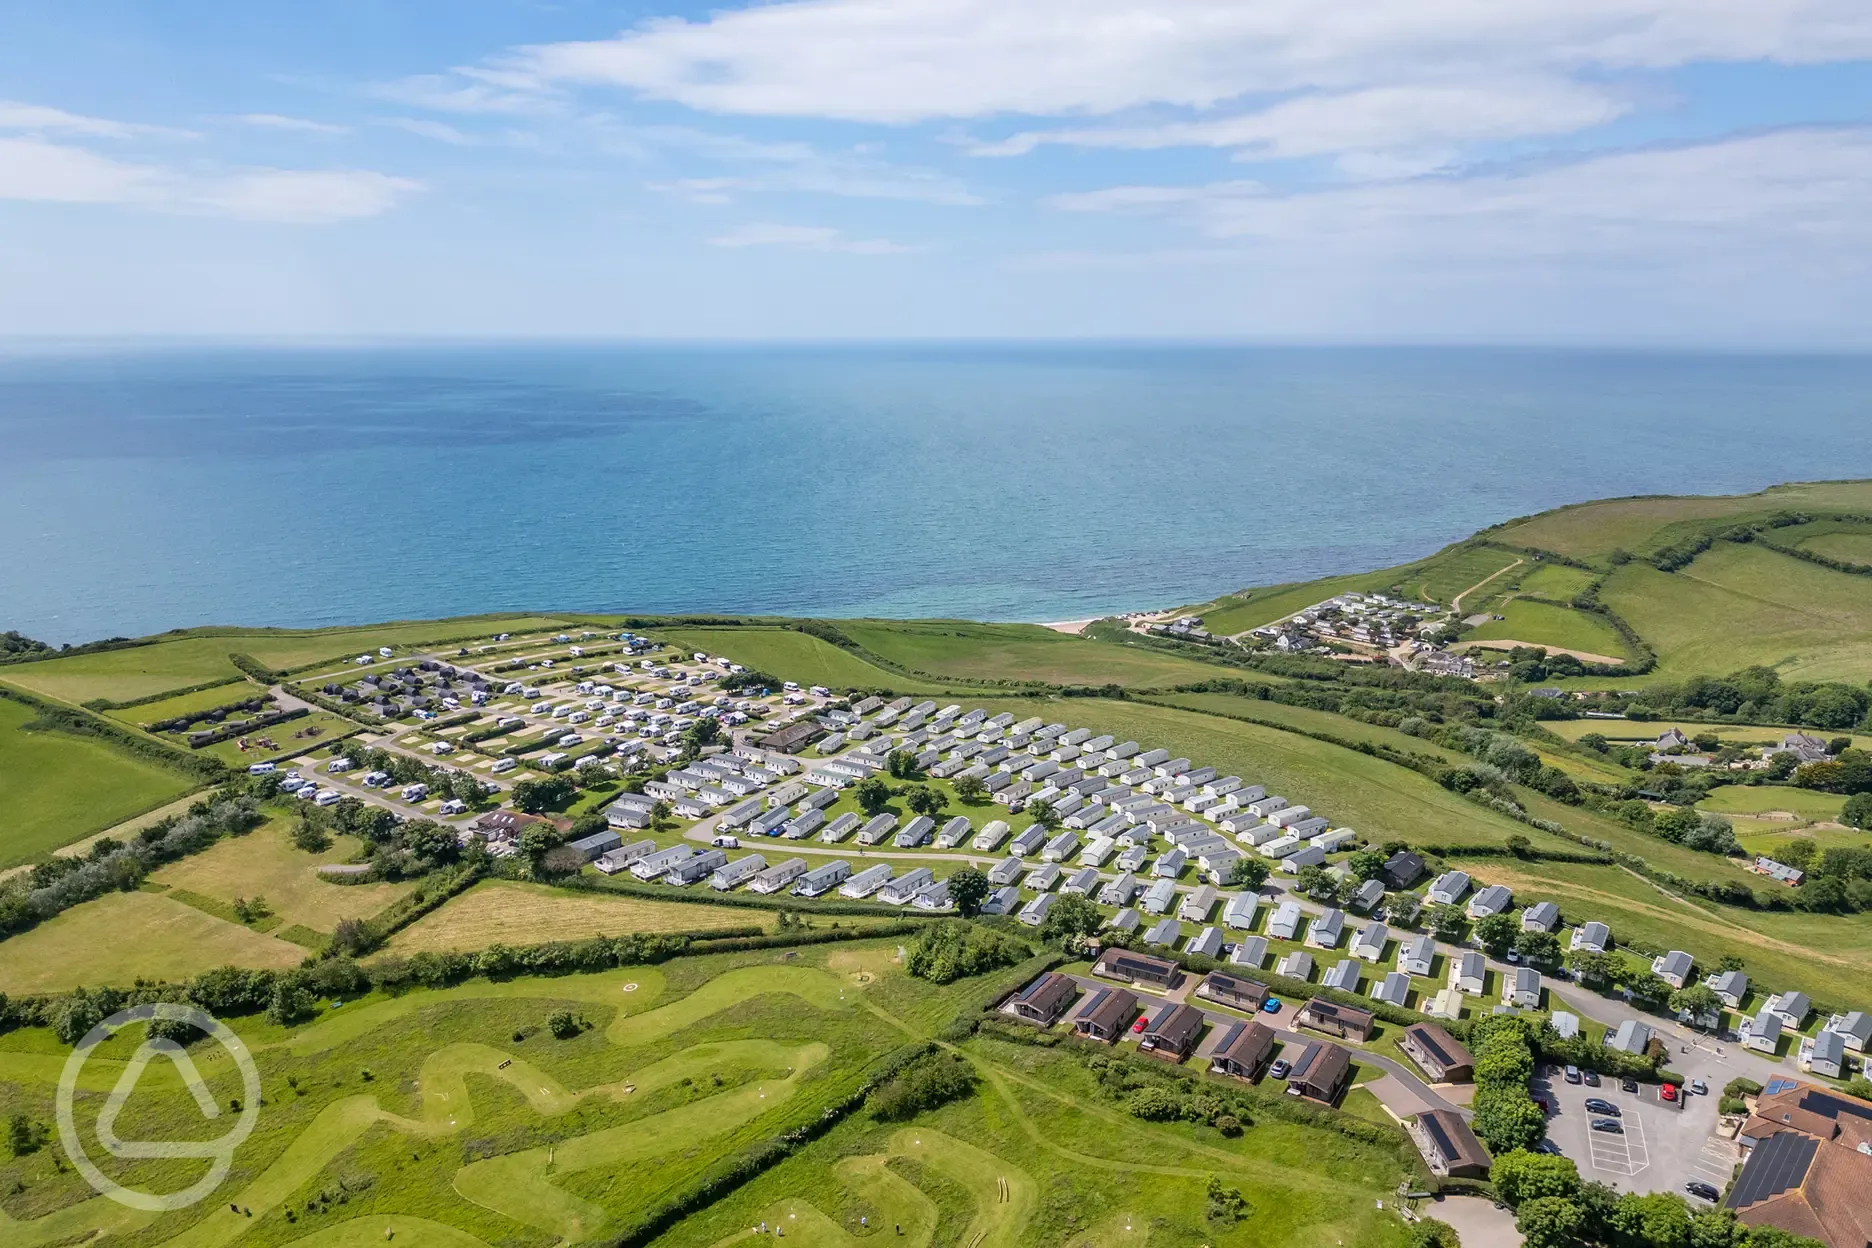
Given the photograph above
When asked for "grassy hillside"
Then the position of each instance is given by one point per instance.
(1022, 652)
(1562, 628)
(1639, 525)
(56, 788)
(786, 653)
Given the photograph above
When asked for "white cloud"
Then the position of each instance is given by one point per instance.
(274, 121)
(439, 131)
(41, 119)
(806, 238)
(785, 166)
(1802, 189)
(1414, 118)
(896, 61)
(467, 90)
(37, 170)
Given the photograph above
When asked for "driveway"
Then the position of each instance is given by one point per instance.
(1477, 1221)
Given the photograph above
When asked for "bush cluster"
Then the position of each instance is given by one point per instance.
(932, 1080)
(945, 952)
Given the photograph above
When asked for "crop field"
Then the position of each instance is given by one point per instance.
(785, 653)
(122, 937)
(1587, 530)
(1738, 606)
(1542, 624)
(1022, 652)
(56, 788)
(265, 863)
(507, 912)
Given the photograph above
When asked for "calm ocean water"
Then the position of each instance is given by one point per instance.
(148, 490)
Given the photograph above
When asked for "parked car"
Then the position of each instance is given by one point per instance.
(1667, 1091)
(1608, 1126)
(1592, 1078)
(1279, 1069)
(1598, 1106)
(1628, 1085)
(1143, 1020)
(1572, 1074)
(1699, 1087)
(1706, 1191)
(1271, 1006)
(1547, 1146)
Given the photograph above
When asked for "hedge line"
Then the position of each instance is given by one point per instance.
(105, 704)
(260, 723)
(87, 724)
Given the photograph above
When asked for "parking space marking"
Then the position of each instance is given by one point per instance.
(1624, 1154)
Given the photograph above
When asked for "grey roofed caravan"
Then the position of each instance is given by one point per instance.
(1542, 916)
(1393, 989)
(1159, 897)
(1631, 1037)
(1164, 934)
(1006, 871)
(823, 879)
(1250, 951)
(1207, 942)
(1120, 891)
(1344, 976)
(1004, 900)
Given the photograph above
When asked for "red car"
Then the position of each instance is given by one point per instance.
(1139, 1025)
(1668, 1091)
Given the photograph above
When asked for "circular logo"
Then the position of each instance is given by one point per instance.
(219, 1152)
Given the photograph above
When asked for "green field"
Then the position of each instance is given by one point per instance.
(786, 653)
(1542, 624)
(1738, 606)
(512, 913)
(453, 1118)
(1592, 530)
(1737, 799)
(186, 703)
(1556, 581)
(1251, 608)
(201, 655)
(1850, 547)
(1022, 652)
(265, 863)
(56, 788)
(1442, 577)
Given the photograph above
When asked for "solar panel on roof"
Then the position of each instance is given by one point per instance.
(1779, 1085)
(1428, 1039)
(1778, 1164)
(1832, 1106)
(1438, 1136)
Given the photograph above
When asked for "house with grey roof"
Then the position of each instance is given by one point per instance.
(1449, 888)
(1731, 986)
(1542, 916)
(1296, 965)
(1370, 942)
(1417, 955)
(1164, 934)
(1824, 1054)
(1393, 989)
(1590, 938)
(1674, 968)
(1324, 932)
(1793, 1007)
(1494, 899)
(1522, 987)
(1468, 973)
(1369, 894)
(1762, 1033)
(1250, 951)
(1344, 975)
(1207, 942)
(1855, 1028)
(1630, 1036)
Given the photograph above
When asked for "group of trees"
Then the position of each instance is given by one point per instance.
(930, 1081)
(945, 952)
(1506, 1116)
(442, 781)
(1554, 1209)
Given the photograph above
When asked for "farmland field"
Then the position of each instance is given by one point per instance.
(1444, 576)
(506, 912)
(122, 937)
(1022, 652)
(1542, 624)
(1737, 799)
(186, 703)
(1587, 530)
(1850, 547)
(56, 788)
(1737, 606)
(1556, 581)
(786, 653)
(265, 863)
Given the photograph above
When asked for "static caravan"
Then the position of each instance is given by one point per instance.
(778, 876)
(990, 837)
(867, 881)
(1285, 923)
(915, 834)
(902, 890)
(737, 873)
(1083, 882)
(879, 827)
(1198, 903)
(1006, 871)
(822, 880)
(689, 870)
(840, 828)
(1120, 891)
(953, 833)
(1034, 913)
(1097, 851)
(804, 826)
(1239, 913)
(1159, 897)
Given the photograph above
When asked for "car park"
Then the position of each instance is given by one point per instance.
(1592, 1078)
(1667, 1091)
(1628, 1085)
(1699, 1087)
(1572, 1074)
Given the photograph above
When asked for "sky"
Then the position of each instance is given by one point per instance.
(1644, 172)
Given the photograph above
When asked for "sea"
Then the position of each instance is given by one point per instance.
(149, 488)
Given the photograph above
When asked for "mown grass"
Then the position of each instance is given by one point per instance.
(512, 913)
(1022, 652)
(1852, 547)
(1738, 799)
(787, 654)
(1556, 581)
(122, 937)
(186, 703)
(1441, 577)
(1542, 624)
(56, 788)
(265, 863)
(1738, 606)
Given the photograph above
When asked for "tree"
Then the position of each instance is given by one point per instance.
(1697, 1001)
(924, 800)
(971, 789)
(535, 796)
(1519, 1176)
(1044, 815)
(1605, 968)
(1249, 873)
(1448, 921)
(872, 795)
(1508, 1119)
(1654, 1220)
(1313, 881)
(1519, 845)
(1497, 932)
(1550, 1222)
(968, 888)
(1648, 988)
(902, 764)
(563, 1024)
(661, 815)
(310, 837)
(1542, 947)
(1858, 810)
(24, 1135)
(539, 839)
(1073, 914)
(1367, 864)
(699, 735)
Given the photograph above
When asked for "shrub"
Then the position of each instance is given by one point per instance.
(931, 1081)
(945, 952)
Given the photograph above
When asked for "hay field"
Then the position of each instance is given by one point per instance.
(507, 912)
(265, 863)
(122, 937)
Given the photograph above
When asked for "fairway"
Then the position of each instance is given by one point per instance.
(785, 653)
(1022, 652)
(123, 937)
(1738, 606)
(56, 788)
(265, 863)
(514, 913)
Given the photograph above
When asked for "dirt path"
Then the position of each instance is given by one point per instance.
(1455, 605)
(1584, 656)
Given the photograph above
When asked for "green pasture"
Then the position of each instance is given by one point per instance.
(1542, 624)
(1443, 576)
(122, 937)
(1738, 606)
(1557, 581)
(1854, 546)
(186, 703)
(787, 654)
(1739, 799)
(1592, 530)
(1022, 652)
(56, 788)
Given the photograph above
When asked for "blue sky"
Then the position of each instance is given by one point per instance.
(1631, 171)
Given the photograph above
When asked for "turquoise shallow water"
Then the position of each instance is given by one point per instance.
(148, 490)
